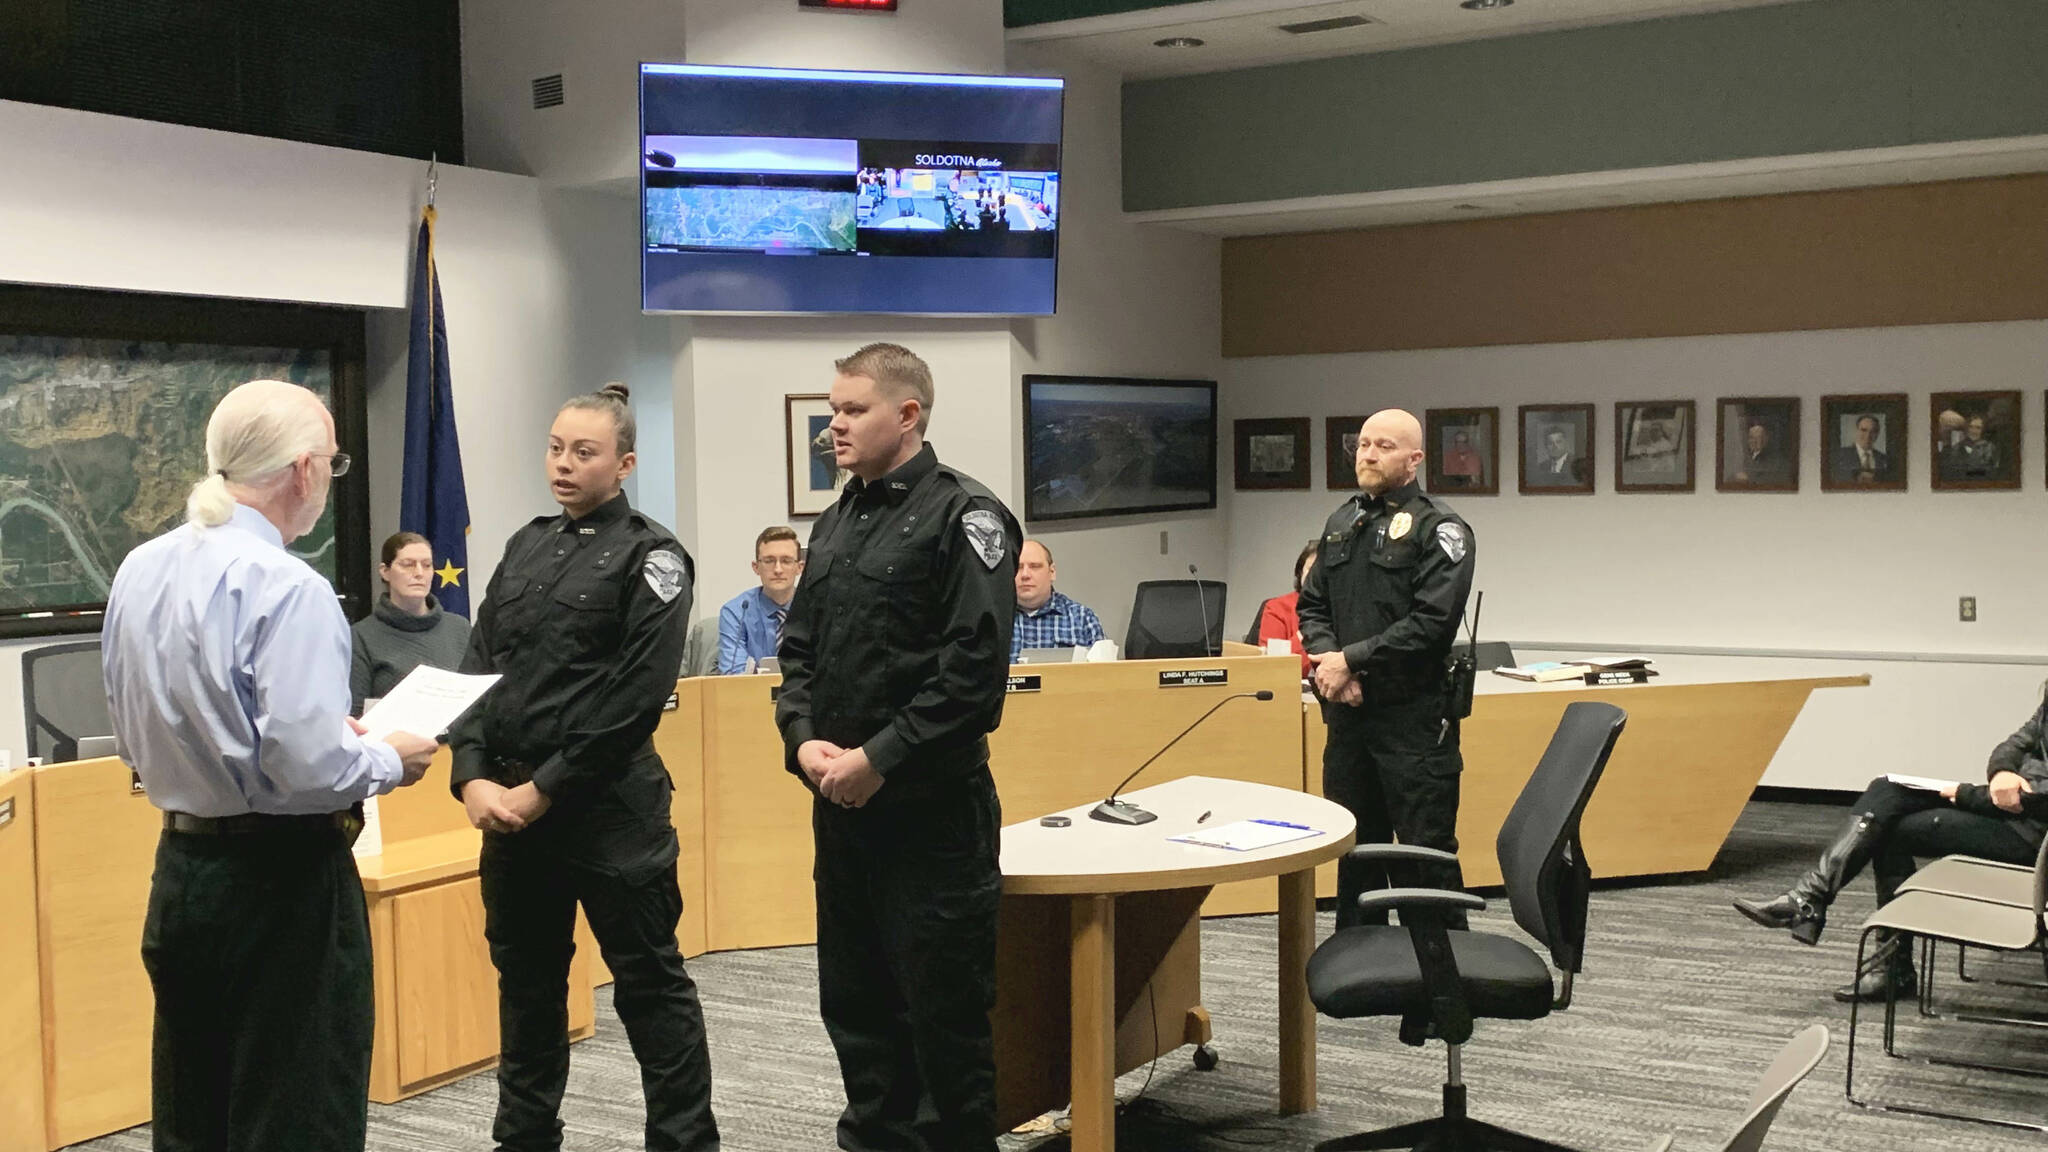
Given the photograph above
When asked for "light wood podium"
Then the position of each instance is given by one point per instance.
(21, 1007)
(1104, 920)
(1069, 733)
(1700, 735)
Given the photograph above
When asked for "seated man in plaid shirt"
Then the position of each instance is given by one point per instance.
(1046, 619)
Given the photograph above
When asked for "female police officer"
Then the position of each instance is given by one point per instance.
(585, 619)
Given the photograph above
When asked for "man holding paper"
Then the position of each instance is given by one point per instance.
(1900, 819)
(226, 664)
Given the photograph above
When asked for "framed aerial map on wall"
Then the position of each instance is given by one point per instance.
(104, 399)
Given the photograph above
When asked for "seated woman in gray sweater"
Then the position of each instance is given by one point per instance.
(407, 628)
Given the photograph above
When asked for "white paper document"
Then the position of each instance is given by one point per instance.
(1247, 835)
(425, 703)
(1923, 783)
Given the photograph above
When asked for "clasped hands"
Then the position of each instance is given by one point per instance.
(1335, 681)
(842, 776)
(492, 807)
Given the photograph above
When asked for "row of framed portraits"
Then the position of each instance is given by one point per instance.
(1865, 446)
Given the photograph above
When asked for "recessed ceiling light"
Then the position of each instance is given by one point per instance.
(1484, 5)
(1178, 42)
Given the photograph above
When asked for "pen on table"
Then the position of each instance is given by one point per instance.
(1203, 818)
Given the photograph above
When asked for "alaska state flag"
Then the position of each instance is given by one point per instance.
(433, 501)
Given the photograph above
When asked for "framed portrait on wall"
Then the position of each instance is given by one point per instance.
(1340, 451)
(1557, 449)
(1976, 440)
(1273, 453)
(1756, 444)
(1653, 446)
(1462, 451)
(815, 478)
(1864, 442)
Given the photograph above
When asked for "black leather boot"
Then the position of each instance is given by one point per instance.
(1890, 965)
(1803, 910)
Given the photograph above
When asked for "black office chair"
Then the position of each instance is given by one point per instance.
(1251, 634)
(64, 698)
(1168, 619)
(1437, 980)
(1491, 654)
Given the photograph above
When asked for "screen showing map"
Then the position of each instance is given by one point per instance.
(101, 442)
(774, 190)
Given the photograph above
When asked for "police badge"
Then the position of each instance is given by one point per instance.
(985, 531)
(665, 574)
(1451, 539)
(1399, 528)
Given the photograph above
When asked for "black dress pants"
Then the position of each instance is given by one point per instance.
(1395, 766)
(531, 887)
(908, 889)
(1914, 824)
(258, 948)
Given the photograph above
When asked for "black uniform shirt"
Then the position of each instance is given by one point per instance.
(585, 619)
(1388, 588)
(898, 640)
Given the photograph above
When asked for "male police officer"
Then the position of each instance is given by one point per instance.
(894, 662)
(1379, 611)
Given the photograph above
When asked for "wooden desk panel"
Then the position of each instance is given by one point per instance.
(425, 809)
(95, 850)
(1068, 743)
(22, 1116)
(1688, 761)
(679, 740)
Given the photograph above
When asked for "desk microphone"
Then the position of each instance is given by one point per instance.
(1115, 811)
(1202, 604)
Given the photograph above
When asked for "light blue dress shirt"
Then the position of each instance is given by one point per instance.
(749, 625)
(226, 664)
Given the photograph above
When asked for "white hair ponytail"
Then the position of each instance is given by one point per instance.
(256, 432)
(210, 502)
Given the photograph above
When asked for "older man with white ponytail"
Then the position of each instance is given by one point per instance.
(227, 664)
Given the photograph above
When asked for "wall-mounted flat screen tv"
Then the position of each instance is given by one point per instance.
(1114, 446)
(787, 190)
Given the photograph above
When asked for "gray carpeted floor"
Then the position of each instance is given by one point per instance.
(1681, 1005)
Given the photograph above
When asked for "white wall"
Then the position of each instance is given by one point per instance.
(1134, 300)
(1809, 571)
(103, 202)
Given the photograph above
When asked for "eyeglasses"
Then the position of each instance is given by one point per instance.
(778, 562)
(337, 463)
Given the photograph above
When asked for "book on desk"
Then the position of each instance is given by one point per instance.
(1626, 670)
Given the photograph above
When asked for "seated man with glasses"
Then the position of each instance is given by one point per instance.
(750, 624)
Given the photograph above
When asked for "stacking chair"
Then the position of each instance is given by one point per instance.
(1972, 878)
(1800, 1055)
(1936, 917)
(1437, 980)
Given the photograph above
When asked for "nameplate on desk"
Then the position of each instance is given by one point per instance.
(774, 693)
(135, 787)
(674, 701)
(1025, 684)
(1192, 677)
(6, 812)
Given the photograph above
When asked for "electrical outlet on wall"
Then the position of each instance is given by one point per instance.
(1162, 541)
(1966, 609)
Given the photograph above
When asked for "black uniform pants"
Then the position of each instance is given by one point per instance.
(908, 890)
(1916, 824)
(531, 889)
(1395, 765)
(258, 948)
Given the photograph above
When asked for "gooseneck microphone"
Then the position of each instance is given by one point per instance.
(1202, 604)
(1115, 811)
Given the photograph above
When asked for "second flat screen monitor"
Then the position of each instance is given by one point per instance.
(780, 190)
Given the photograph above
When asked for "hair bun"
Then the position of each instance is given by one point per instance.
(615, 388)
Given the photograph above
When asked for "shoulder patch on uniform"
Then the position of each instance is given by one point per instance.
(985, 531)
(665, 574)
(1451, 538)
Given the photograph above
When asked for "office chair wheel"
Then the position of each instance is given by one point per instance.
(1205, 1058)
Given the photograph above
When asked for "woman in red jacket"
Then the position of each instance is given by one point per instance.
(1277, 620)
